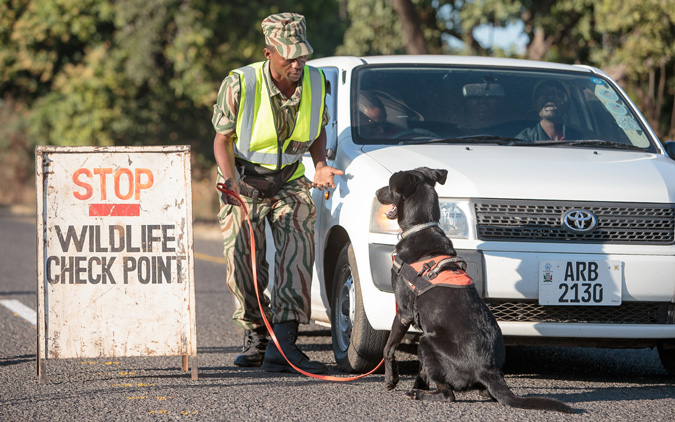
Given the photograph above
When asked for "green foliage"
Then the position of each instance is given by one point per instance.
(374, 29)
(16, 155)
(639, 35)
(136, 72)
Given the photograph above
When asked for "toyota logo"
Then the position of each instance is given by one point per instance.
(579, 221)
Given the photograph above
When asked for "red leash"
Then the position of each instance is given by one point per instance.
(223, 188)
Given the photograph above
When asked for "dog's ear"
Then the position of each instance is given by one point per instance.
(441, 176)
(404, 183)
(436, 175)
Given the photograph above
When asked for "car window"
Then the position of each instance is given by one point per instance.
(397, 104)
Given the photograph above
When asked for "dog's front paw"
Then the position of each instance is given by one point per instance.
(391, 376)
(415, 394)
(390, 381)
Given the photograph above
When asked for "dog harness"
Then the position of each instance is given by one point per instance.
(424, 275)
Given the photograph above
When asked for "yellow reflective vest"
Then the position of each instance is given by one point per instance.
(257, 138)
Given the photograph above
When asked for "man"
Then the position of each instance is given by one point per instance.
(373, 117)
(550, 101)
(266, 116)
(483, 104)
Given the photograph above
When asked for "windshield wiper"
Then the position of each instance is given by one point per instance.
(507, 141)
(581, 143)
(472, 139)
(598, 143)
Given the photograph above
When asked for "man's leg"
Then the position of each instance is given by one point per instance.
(292, 218)
(239, 278)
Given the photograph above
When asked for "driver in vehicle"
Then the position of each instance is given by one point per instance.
(373, 117)
(550, 100)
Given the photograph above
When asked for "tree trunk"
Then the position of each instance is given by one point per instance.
(537, 48)
(660, 92)
(413, 38)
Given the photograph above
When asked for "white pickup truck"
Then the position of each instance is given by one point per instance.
(567, 226)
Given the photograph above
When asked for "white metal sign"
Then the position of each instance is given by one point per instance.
(115, 261)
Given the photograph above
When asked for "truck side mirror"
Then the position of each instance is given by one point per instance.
(670, 148)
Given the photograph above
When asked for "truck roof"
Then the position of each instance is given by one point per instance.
(347, 62)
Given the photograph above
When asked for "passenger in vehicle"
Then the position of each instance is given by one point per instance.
(482, 103)
(373, 117)
(550, 100)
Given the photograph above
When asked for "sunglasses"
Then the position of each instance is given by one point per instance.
(553, 93)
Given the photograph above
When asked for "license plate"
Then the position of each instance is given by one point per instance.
(580, 283)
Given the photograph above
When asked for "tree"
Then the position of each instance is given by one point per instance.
(135, 72)
(373, 29)
(413, 37)
(129, 72)
(638, 47)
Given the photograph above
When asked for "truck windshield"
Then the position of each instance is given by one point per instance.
(403, 104)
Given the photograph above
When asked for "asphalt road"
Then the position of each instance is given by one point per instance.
(601, 384)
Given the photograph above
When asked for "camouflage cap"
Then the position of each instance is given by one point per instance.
(287, 33)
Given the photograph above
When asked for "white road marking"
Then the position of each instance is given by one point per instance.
(21, 310)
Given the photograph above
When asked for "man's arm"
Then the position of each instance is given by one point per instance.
(323, 178)
(223, 151)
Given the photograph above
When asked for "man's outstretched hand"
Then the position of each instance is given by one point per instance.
(323, 178)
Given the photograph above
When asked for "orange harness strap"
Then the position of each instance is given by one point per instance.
(423, 275)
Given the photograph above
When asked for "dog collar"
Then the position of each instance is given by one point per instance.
(415, 229)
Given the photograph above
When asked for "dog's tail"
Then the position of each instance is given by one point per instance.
(494, 381)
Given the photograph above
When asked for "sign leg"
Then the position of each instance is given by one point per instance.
(194, 368)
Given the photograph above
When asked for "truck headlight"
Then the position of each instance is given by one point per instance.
(454, 220)
(379, 223)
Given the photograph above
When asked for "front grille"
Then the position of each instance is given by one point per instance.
(522, 221)
(626, 313)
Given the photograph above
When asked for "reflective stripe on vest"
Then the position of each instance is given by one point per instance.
(257, 138)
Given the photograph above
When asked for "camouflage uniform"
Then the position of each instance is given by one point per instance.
(291, 213)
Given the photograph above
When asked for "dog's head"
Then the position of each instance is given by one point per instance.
(412, 196)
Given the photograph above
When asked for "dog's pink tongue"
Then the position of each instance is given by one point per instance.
(391, 214)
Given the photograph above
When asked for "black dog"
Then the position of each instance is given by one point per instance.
(461, 347)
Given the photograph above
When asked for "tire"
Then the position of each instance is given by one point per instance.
(357, 347)
(667, 356)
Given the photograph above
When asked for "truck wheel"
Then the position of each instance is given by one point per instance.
(357, 346)
(667, 356)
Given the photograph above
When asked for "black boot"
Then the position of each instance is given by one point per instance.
(287, 334)
(255, 343)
